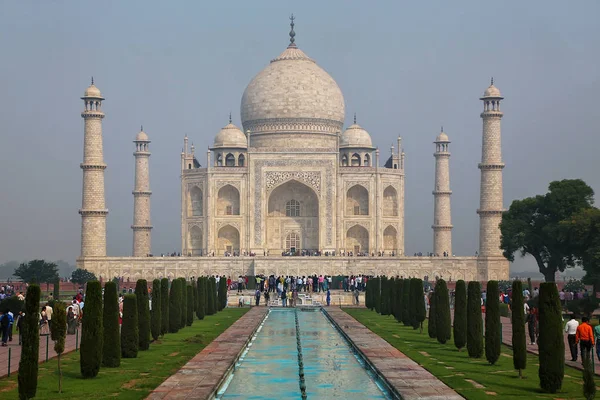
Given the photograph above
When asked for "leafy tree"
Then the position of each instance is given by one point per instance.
(431, 326)
(589, 385)
(200, 288)
(551, 343)
(183, 302)
(492, 323)
(585, 306)
(130, 339)
(406, 319)
(111, 352)
(164, 305)
(519, 341)
(37, 271)
(399, 284)
(419, 311)
(442, 312)
(58, 332)
(222, 293)
(190, 305)
(584, 231)
(174, 309)
(141, 292)
(460, 315)
(533, 226)
(211, 305)
(156, 314)
(28, 365)
(82, 276)
(91, 332)
(574, 285)
(474, 321)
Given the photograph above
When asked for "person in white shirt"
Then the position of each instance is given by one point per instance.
(49, 312)
(571, 329)
(525, 308)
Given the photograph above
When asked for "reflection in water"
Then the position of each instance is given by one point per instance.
(269, 370)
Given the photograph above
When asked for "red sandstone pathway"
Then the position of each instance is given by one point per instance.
(15, 352)
(201, 376)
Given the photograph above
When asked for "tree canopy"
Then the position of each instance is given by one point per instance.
(82, 276)
(583, 229)
(535, 226)
(37, 271)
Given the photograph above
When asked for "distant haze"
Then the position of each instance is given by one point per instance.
(181, 67)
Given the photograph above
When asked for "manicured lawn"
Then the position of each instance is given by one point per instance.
(456, 368)
(135, 378)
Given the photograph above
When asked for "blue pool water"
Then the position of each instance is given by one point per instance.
(268, 369)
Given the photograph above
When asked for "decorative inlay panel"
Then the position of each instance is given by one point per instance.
(220, 184)
(311, 178)
(364, 224)
(221, 224)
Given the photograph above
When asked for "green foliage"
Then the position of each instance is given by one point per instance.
(205, 293)
(535, 226)
(200, 288)
(12, 304)
(406, 319)
(574, 285)
(519, 340)
(419, 312)
(503, 309)
(493, 328)
(368, 292)
(589, 385)
(91, 331)
(399, 285)
(431, 325)
(111, 351)
(504, 286)
(183, 303)
(56, 290)
(222, 298)
(190, 305)
(583, 230)
(82, 276)
(442, 312)
(392, 296)
(156, 313)
(141, 292)
(474, 321)
(37, 271)
(164, 305)
(377, 295)
(551, 343)
(58, 332)
(585, 306)
(385, 296)
(195, 296)
(28, 365)
(460, 315)
(174, 307)
(211, 289)
(130, 339)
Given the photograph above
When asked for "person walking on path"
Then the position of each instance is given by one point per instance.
(585, 338)
(19, 325)
(257, 296)
(356, 293)
(531, 321)
(571, 329)
(4, 327)
(328, 297)
(596, 338)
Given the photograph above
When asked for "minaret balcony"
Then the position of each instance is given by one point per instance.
(92, 114)
(92, 166)
(141, 192)
(85, 213)
(490, 212)
(442, 227)
(141, 227)
(489, 166)
(442, 192)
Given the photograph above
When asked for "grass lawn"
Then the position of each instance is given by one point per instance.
(463, 374)
(136, 377)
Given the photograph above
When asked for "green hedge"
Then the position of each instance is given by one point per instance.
(519, 340)
(474, 321)
(442, 312)
(222, 295)
(111, 352)
(164, 305)
(200, 288)
(91, 331)
(156, 313)
(174, 307)
(211, 290)
(493, 329)
(28, 365)
(432, 326)
(130, 339)
(551, 343)
(460, 315)
(141, 292)
(190, 305)
(406, 318)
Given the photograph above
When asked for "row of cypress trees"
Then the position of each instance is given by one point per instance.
(402, 298)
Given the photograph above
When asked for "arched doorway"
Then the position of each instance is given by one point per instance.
(390, 240)
(228, 201)
(195, 243)
(357, 240)
(195, 202)
(390, 202)
(228, 241)
(357, 201)
(292, 242)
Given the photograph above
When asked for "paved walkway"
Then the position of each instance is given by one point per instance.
(407, 378)
(201, 376)
(15, 352)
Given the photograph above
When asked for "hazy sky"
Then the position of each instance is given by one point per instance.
(181, 67)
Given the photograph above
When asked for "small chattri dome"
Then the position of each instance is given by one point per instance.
(356, 136)
(230, 136)
(442, 137)
(92, 91)
(492, 91)
(141, 137)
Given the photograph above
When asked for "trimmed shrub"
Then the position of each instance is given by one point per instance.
(392, 296)
(164, 305)
(200, 298)
(222, 295)
(551, 343)
(460, 315)
(492, 323)
(519, 341)
(91, 331)
(111, 353)
(56, 292)
(211, 289)
(385, 295)
(28, 365)
(377, 295)
(174, 309)
(130, 339)
(406, 320)
(156, 313)
(184, 304)
(442, 312)
(589, 386)
(503, 309)
(190, 305)
(474, 321)
(58, 330)
(205, 293)
(141, 292)
(399, 284)
(431, 326)
(368, 292)
(419, 310)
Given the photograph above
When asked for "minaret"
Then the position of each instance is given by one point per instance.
(93, 207)
(491, 203)
(442, 221)
(142, 243)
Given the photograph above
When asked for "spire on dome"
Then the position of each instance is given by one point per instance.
(92, 80)
(230, 117)
(492, 83)
(292, 33)
(354, 118)
(141, 128)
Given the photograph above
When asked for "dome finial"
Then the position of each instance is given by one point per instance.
(292, 33)
(141, 128)
(355, 118)
(492, 81)
(229, 116)
(442, 129)
(92, 80)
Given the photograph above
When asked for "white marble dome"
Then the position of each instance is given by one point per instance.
(141, 137)
(292, 88)
(356, 136)
(492, 91)
(230, 136)
(92, 91)
(442, 137)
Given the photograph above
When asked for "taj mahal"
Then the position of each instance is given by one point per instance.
(292, 191)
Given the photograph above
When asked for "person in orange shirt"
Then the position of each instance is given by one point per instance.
(585, 338)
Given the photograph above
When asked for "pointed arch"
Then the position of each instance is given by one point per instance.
(390, 202)
(357, 239)
(230, 160)
(345, 160)
(228, 240)
(219, 160)
(195, 204)
(228, 201)
(241, 160)
(355, 160)
(357, 201)
(390, 239)
(195, 240)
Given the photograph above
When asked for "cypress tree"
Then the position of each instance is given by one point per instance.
(28, 365)
(377, 295)
(184, 302)
(59, 333)
(460, 315)
(431, 327)
(56, 291)
(406, 302)
(222, 297)
(174, 309)
(442, 312)
(195, 296)
(474, 321)
(368, 292)
(205, 294)
(419, 304)
(111, 353)
(91, 332)
(492, 323)
(551, 343)
(212, 283)
(141, 292)
(200, 298)
(392, 296)
(385, 294)
(190, 305)
(589, 386)
(530, 286)
(156, 313)
(519, 341)
(399, 283)
(164, 305)
(130, 339)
